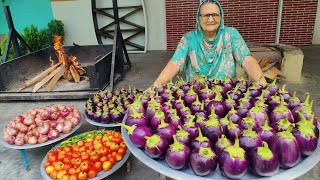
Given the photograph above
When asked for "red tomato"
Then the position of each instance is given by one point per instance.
(59, 149)
(82, 176)
(46, 164)
(72, 171)
(112, 160)
(98, 166)
(67, 148)
(49, 169)
(123, 145)
(66, 160)
(107, 165)
(84, 166)
(65, 177)
(118, 157)
(103, 151)
(122, 151)
(114, 147)
(77, 162)
(53, 175)
(85, 157)
(53, 158)
(58, 166)
(80, 143)
(73, 177)
(67, 166)
(116, 140)
(92, 173)
(103, 159)
(94, 158)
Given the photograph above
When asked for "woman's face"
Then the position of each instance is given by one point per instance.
(210, 17)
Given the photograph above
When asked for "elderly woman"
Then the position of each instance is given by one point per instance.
(212, 50)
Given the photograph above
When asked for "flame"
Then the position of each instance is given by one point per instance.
(51, 61)
(58, 46)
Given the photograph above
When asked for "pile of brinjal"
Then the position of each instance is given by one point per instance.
(110, 107)
(236, 125)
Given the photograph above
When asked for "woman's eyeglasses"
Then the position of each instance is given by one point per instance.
(205, 17)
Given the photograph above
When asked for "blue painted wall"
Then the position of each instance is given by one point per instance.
(26, 12)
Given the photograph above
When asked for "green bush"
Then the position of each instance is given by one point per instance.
(55, 27)
(3, 48)
(34, 38)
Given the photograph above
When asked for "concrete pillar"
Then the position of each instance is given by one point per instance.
(292, 62)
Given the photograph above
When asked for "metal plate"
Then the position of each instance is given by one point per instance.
(112, 124)
(101, 174)
(162, 167)
(28, 146)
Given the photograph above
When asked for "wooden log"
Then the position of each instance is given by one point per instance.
(74, 74)
(38, 77)
(55, 79)
(46, 79)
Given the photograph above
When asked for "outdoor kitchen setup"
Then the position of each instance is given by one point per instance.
(76, 111)
(100, 64)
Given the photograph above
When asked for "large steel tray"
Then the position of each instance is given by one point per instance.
(101, 174)
(162, 167)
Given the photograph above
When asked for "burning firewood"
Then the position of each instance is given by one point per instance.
(68, 67)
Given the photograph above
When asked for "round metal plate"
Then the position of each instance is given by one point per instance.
(162, 167)
(101, 174)
(28, 146)
(111, 124)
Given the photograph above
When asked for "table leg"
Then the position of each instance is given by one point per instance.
(25, 159)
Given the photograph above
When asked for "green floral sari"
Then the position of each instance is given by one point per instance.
(216, 59)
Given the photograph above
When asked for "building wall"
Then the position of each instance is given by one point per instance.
(77, 19)
(316, 34)
(256, 20)
(156, 22)
(82, 32)
(26, 12)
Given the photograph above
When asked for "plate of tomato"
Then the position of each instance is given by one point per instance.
(91, 155)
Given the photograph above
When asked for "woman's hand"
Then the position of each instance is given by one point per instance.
(253, 69)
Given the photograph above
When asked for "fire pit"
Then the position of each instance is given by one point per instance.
(96, 61)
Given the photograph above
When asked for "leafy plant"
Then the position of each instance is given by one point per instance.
(55, 27)
(34, 38)
(3, 48)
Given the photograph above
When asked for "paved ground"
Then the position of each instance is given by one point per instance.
(145, 68)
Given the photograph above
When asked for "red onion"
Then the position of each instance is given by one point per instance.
(45, 114)
(59, 127)
(35, 132)
(53, 134)
(64, 112)
(61, 119)
(32, 140)
(54, 109)
(9, 139)
(69, 116)
(45, 128)
(23, 128)
(12, 131)
(67, 128)
(19, 141)
(75, 121)
(54, 115)
(20, 118)
(28, 121)
(42, 138)
(61, 107)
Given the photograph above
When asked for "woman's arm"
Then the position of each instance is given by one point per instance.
(253, 69)
(171, 69)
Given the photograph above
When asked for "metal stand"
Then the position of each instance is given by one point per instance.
(13, 36)
(119, 47)
(25, 159)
